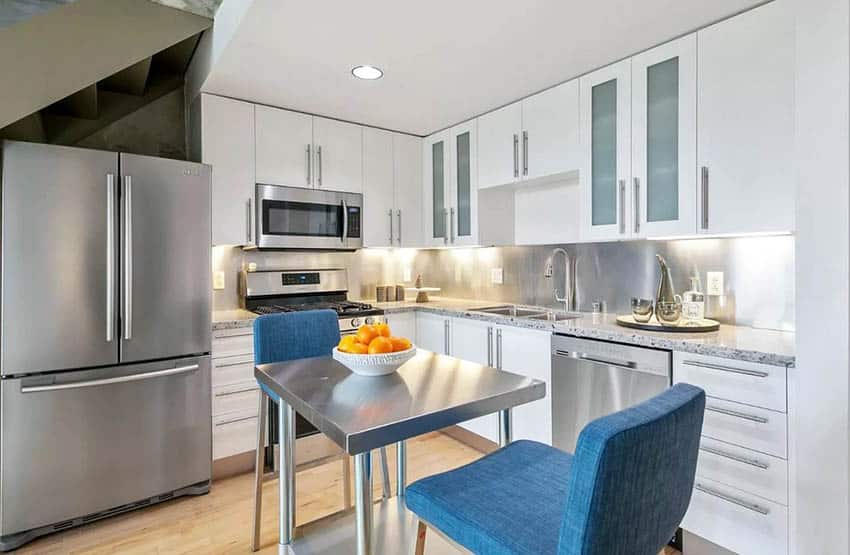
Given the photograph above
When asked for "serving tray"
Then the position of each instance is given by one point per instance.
(691, 326)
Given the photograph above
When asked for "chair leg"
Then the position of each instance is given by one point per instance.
(385, 471)
(420, 539)
(346, 482)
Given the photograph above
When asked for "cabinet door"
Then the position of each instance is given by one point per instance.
(664, 139)
(227, 143)
(432, 332)
(746, 122)
(499, 146)
(436, 195)
(403, 324)
(606, 150)
(378, 189)
(463, 207)
(407, 155)
(284, 145)
(338, 155)
(472, 340)
(550, 132)
(528, 352)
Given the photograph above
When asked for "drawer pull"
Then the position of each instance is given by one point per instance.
(737, 458)
(235, 420)
(736, 414)
(229, 364)
(744, 371)
(740, 502)
(236, 391)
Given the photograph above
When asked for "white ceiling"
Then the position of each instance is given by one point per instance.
(444, 60)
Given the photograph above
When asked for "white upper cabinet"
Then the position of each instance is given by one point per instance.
(463, 205)
(663, 184)
(407, 158)
(606, 124)
(499, 135)
(746, 122)
(378, 189)
(284, 144)
(337, 155)
(435, 192)
(227, 143)
(549, 141)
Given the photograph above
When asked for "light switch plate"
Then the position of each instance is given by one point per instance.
(714, 284)
(218, 280)
(406, 274)
(496, 276)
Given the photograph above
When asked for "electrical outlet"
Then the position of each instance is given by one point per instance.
(406, 274)
(496, 276)
(218, 280)
(715, 283)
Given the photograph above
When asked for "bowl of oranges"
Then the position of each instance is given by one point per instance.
(373, 351)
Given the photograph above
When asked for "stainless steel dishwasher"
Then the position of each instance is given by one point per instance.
(593, 378)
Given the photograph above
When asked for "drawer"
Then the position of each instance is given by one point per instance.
(760, 385)
(738, 521)
(233, 345)
(743, 469)
(234, 433)
(238, 397)
(231, 370)
(746, 426)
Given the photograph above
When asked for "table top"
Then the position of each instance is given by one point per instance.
(428, 393)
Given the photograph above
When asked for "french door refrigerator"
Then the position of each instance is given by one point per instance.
(104, 335)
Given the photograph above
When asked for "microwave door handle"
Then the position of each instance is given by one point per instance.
(344, 221)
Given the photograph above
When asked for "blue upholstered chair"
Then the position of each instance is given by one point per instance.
(623, 492)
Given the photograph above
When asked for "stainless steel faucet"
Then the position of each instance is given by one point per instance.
(569, 298)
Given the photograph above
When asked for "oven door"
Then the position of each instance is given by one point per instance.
(297, 218)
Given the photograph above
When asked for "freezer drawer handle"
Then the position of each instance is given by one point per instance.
(740, 502)
(109, 381)
(744, 371)
(736, 414)
(737, 458)
(235, 420)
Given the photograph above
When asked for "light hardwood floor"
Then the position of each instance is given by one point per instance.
(220, 522)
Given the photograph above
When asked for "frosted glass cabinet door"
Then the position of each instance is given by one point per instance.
(606, 145)
(663, 186)
(463, 208)
(436, 192)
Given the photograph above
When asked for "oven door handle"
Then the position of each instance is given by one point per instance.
(344, 221)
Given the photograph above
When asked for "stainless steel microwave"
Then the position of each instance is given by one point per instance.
(300, 218)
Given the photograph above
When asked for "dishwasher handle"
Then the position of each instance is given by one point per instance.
(628, 365)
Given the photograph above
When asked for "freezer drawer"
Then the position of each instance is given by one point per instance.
(76, 443)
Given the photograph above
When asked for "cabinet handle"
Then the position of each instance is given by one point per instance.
(235, 420)
(737, 458)
(390, 214)
(734, 500)
(736, 414)
(398, 235)
(452, 224)
(499, 349)
(446, 228)
(489, 346)
(637, 204)
(446, 336)
(622, 210)
(236, 392)
(704, 184)
(248, 220)
(309, 165)
(744, 371)
(516, 155)
(319, 160)
(231, 364)
(525, 153)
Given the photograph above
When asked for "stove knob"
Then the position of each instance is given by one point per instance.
(355, 322)
(370, 320)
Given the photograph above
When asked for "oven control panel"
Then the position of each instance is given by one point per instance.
(350, 325)
(300, 278)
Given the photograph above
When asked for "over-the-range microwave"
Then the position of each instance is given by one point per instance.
(300, 218)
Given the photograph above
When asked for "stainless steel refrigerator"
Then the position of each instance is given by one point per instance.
(104, 335)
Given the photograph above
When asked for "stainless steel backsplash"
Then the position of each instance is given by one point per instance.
(758, 273)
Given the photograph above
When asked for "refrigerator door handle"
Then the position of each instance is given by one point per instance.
(107, 381)
(127, 320)
(110, 257)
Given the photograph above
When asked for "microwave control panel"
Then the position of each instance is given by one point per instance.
(354, 221)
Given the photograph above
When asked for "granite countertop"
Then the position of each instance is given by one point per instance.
(735, 342)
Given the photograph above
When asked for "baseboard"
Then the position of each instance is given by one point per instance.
(471, 439)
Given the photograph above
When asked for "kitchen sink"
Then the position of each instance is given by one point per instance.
(554, 316)
(510, 310)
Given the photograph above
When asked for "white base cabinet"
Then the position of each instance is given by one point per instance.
(235, 394)
(403, 324)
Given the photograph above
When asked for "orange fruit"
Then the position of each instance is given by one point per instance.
(383, 329)
(400, 343)
(366, 333)
(346, 342)
(359, 349)
(380, 345)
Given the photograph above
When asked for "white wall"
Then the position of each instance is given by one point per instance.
(819, 389)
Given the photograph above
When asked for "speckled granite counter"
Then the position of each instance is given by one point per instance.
(741, 343)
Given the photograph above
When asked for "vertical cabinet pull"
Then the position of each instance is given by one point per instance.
(622, 211)
(525, 153)
(516, 155)
(499, 349)
(309, 164)
(128, 258)
(446, 337)
(452, 225)
(489, 346)
(390, 213)
(249, 222)
(319, 161)
(704, 185)
(398, 233)
(110, 256)
(636, 200)
(446, 227)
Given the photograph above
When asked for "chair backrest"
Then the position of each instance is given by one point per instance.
(294, 335)
(632, 476)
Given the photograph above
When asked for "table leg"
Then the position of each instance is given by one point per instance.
(286, 481)
(385, 474)
(506, 433)
(363, 501)
(259, 469)
(401, 467)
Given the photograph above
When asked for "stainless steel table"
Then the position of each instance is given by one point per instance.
(361, 413)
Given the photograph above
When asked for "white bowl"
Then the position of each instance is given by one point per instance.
(374, 365)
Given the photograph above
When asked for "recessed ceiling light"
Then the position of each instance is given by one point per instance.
(367, 72)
